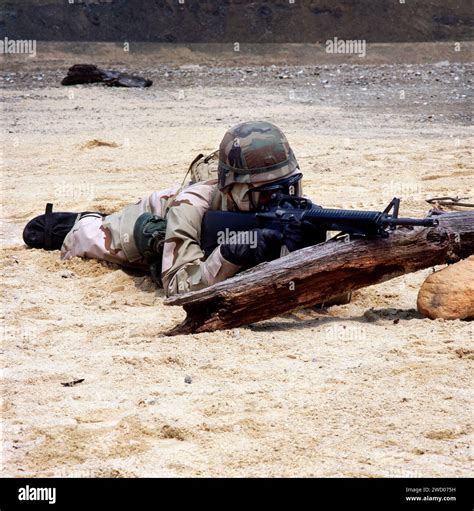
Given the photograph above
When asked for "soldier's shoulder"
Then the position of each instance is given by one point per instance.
(198, 194)
(203, 190)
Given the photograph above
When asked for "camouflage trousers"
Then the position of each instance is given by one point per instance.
(110, 238)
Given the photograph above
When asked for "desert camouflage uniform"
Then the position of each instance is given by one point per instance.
(111, 238)
(183, 265)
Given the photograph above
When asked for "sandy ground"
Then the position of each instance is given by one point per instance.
(367, 389)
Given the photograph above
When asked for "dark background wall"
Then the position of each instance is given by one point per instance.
(237, 20)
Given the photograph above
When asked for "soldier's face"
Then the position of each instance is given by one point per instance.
(261, 196)
(252, 197)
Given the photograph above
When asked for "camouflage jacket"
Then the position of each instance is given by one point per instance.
(184, 267)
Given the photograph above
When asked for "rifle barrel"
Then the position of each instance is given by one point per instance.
(424, 222)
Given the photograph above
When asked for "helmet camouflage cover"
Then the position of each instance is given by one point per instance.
(254, 152)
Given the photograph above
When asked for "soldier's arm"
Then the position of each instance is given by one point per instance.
(184, 268)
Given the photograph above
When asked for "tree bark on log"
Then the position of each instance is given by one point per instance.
(315, 274)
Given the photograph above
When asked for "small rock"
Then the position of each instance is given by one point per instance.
(67, 274)
(371, 316)
(72, 383)
(188, 379)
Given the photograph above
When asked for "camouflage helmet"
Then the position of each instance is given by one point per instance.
(253, 153)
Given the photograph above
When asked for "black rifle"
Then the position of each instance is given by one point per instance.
(284, 209)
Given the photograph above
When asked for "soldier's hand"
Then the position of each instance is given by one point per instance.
(303, 234)
(264, 245)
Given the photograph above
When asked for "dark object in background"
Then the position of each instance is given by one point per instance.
(88, 73)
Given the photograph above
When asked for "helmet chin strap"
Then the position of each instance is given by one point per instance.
(239, 195)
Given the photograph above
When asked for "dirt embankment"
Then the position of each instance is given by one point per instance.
(244, 21)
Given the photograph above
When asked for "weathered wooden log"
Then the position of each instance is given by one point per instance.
(312, 275)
